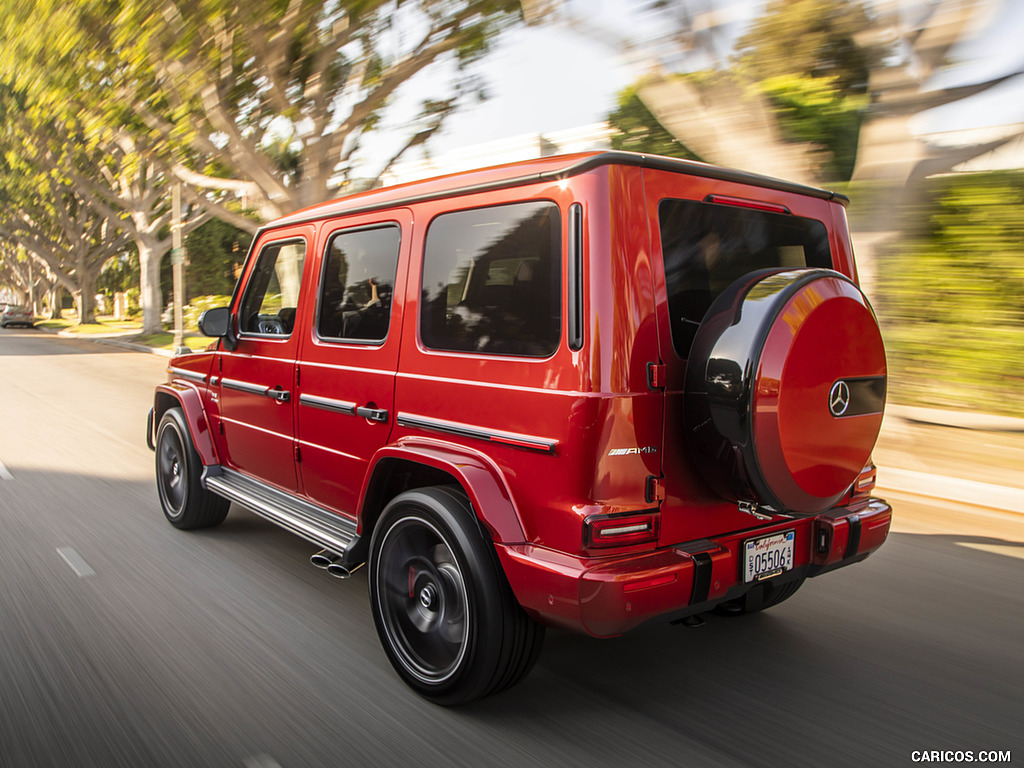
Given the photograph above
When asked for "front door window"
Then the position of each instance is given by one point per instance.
(273, 290)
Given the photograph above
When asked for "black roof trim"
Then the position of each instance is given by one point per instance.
(694, 168)
(655, 162)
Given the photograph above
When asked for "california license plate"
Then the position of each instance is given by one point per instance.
(768, 556)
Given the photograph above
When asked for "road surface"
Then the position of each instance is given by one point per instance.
(124, 642)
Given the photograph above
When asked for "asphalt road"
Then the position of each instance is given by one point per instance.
(124, 642)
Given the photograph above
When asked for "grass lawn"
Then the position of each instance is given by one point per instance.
(127, 329)
(166, 341)
(103, 325)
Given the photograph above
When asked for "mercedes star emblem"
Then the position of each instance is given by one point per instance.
(839, 398)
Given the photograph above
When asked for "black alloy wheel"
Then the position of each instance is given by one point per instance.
(444, 612)
(185, 502)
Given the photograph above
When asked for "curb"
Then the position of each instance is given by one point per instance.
(984, 422)
(114, 342)
(951, 489)
(113, 339)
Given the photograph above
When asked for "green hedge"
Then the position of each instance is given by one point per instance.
(951, 297)
(199, 305)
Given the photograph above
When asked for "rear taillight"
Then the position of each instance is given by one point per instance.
(865, 483)
(620, 530)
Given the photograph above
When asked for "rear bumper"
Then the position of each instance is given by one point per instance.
(608, 596)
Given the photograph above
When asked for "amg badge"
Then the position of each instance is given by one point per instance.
(633, 451)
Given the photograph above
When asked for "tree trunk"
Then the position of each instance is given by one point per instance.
(150, 295)
(56, 297)
(87, 296)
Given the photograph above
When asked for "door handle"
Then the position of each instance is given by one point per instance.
(379, 415)
(281, 395)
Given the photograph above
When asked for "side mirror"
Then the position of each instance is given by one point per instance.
(215, 322)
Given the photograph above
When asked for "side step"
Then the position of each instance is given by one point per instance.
(313, 523)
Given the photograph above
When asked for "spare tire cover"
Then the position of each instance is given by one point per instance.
(785, 387)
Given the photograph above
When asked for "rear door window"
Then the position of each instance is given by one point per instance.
(358, 284)
(492, 280)
(708, 246)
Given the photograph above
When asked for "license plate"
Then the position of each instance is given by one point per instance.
(768, 556)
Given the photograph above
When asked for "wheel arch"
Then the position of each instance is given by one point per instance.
(176, 395)
(421, 462)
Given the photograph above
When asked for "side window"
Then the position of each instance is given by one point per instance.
(272, 293)
(492, 280)
(358, 284)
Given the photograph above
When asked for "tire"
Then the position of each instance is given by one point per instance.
(186, 504)
(445, 615)
(785, 389)
(759, 598)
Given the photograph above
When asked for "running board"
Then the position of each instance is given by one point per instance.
(323, 528)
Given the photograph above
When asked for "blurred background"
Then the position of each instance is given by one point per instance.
(913, 108)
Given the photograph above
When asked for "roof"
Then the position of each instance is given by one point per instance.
(540, 170)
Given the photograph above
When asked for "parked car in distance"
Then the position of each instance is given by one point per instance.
(583, 392)
(13, 314)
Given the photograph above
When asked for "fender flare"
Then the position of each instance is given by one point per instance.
(479, 476)
(187, 397)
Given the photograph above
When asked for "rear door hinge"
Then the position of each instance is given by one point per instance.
(654, 491)
(656, 375)
(298, 454)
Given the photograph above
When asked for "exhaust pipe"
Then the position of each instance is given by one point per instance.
(339, 571)
(324, 559)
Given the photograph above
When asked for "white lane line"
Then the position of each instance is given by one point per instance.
(4, 474)
(73, 559)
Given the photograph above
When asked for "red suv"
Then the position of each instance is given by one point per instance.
(581, 392)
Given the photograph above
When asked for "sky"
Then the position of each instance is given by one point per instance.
(993, 51)
(550, 77)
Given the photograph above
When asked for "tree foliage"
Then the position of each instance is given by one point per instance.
(802, 60)
(814, 39)
(637, 130)
(283, 92)
(259, 106)
(51, 218)
(818, 111)
(805, 56)
(216, 251)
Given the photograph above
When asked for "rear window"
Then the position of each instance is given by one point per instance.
(708, 246)
(492, 280)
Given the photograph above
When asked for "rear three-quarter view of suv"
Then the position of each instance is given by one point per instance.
(582, 392)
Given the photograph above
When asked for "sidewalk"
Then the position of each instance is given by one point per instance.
(961, 457)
